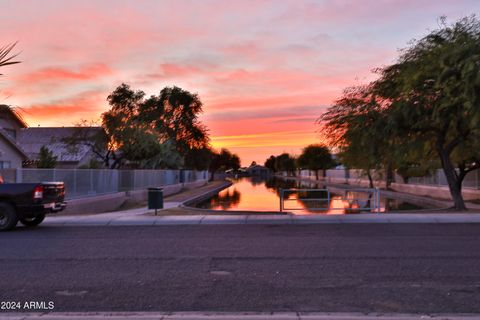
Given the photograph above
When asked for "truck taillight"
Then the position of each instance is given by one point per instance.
(38, 192)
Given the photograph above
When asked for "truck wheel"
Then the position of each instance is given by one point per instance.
(8, 217)
(33, 222)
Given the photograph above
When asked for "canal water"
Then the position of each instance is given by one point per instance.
(263, 194)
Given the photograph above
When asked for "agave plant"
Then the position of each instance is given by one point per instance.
(5, 57)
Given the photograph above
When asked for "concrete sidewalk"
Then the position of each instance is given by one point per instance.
(137, 217)
(145, 217)
(230, 316)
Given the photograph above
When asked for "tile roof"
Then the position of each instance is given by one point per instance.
(32, 139)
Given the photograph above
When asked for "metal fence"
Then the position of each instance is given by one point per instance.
(471, 180)
(88, 182)
(437, 178)
(353, 199)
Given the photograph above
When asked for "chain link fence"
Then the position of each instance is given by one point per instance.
(89, 182)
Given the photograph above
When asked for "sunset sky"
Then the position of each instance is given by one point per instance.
(265, 70)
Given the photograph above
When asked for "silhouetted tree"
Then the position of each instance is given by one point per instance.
(287, 163)
(46, 159)
(96, 139)
(158, 131)
(132, 139)
(423, 109)
(316, 157)
(198, 158)
(224, 160)
(174, 115)
(270, 163)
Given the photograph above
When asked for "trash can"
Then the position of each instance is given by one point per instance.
(155, 199)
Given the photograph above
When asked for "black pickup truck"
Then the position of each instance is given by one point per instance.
(29, 202)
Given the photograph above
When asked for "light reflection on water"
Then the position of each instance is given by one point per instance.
(260, 194)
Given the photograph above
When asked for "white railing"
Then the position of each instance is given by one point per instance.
(353, 199)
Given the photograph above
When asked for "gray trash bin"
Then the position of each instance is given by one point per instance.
(155, 199)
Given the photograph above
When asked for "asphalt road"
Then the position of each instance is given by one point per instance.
(408, 268)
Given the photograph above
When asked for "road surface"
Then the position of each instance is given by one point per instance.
(407, 268)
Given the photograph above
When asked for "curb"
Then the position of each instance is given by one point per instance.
(262, 219)
(204, 196)
(231, 316)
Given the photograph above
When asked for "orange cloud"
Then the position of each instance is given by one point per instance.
(255, 64)
(268, 139)
(88, 72)
(258, 147)
(86, 105)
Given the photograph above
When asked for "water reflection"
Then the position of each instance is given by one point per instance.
(226, 199)
(263, 194)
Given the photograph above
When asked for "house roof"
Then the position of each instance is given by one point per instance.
(32, 139)
(12, 142)
(257, 167)
(15, 115)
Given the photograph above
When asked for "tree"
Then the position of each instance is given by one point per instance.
(223, 160)
(287, 163)
(174, 114)
(359, 124)
(198, 158)
(166, 157)
(356, 125)
(270, 163)
(423, 110)
(160, 131)
(96, 139)
(46, 159)
(316, 157)
(133, 139)
(5, 57)
(434, 94)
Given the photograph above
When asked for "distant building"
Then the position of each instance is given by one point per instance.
(258, 170)
(20, 145)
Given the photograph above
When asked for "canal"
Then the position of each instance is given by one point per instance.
(263, 194)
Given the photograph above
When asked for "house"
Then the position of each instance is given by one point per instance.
(12, 155)
(32, 139)
(20, 145)
(258, 170)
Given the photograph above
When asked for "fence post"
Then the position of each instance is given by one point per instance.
(133, 180)
(91, 182)
(281, 199)
(18, 175)
(378, 199)
(478, 179)
(115, 179)
(75, 182)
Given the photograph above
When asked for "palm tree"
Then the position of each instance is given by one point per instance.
(5, 57)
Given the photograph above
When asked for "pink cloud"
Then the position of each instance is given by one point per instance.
(254, 59)
(88, 72)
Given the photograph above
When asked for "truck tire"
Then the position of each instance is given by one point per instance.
(8, 217)
(33, 222)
